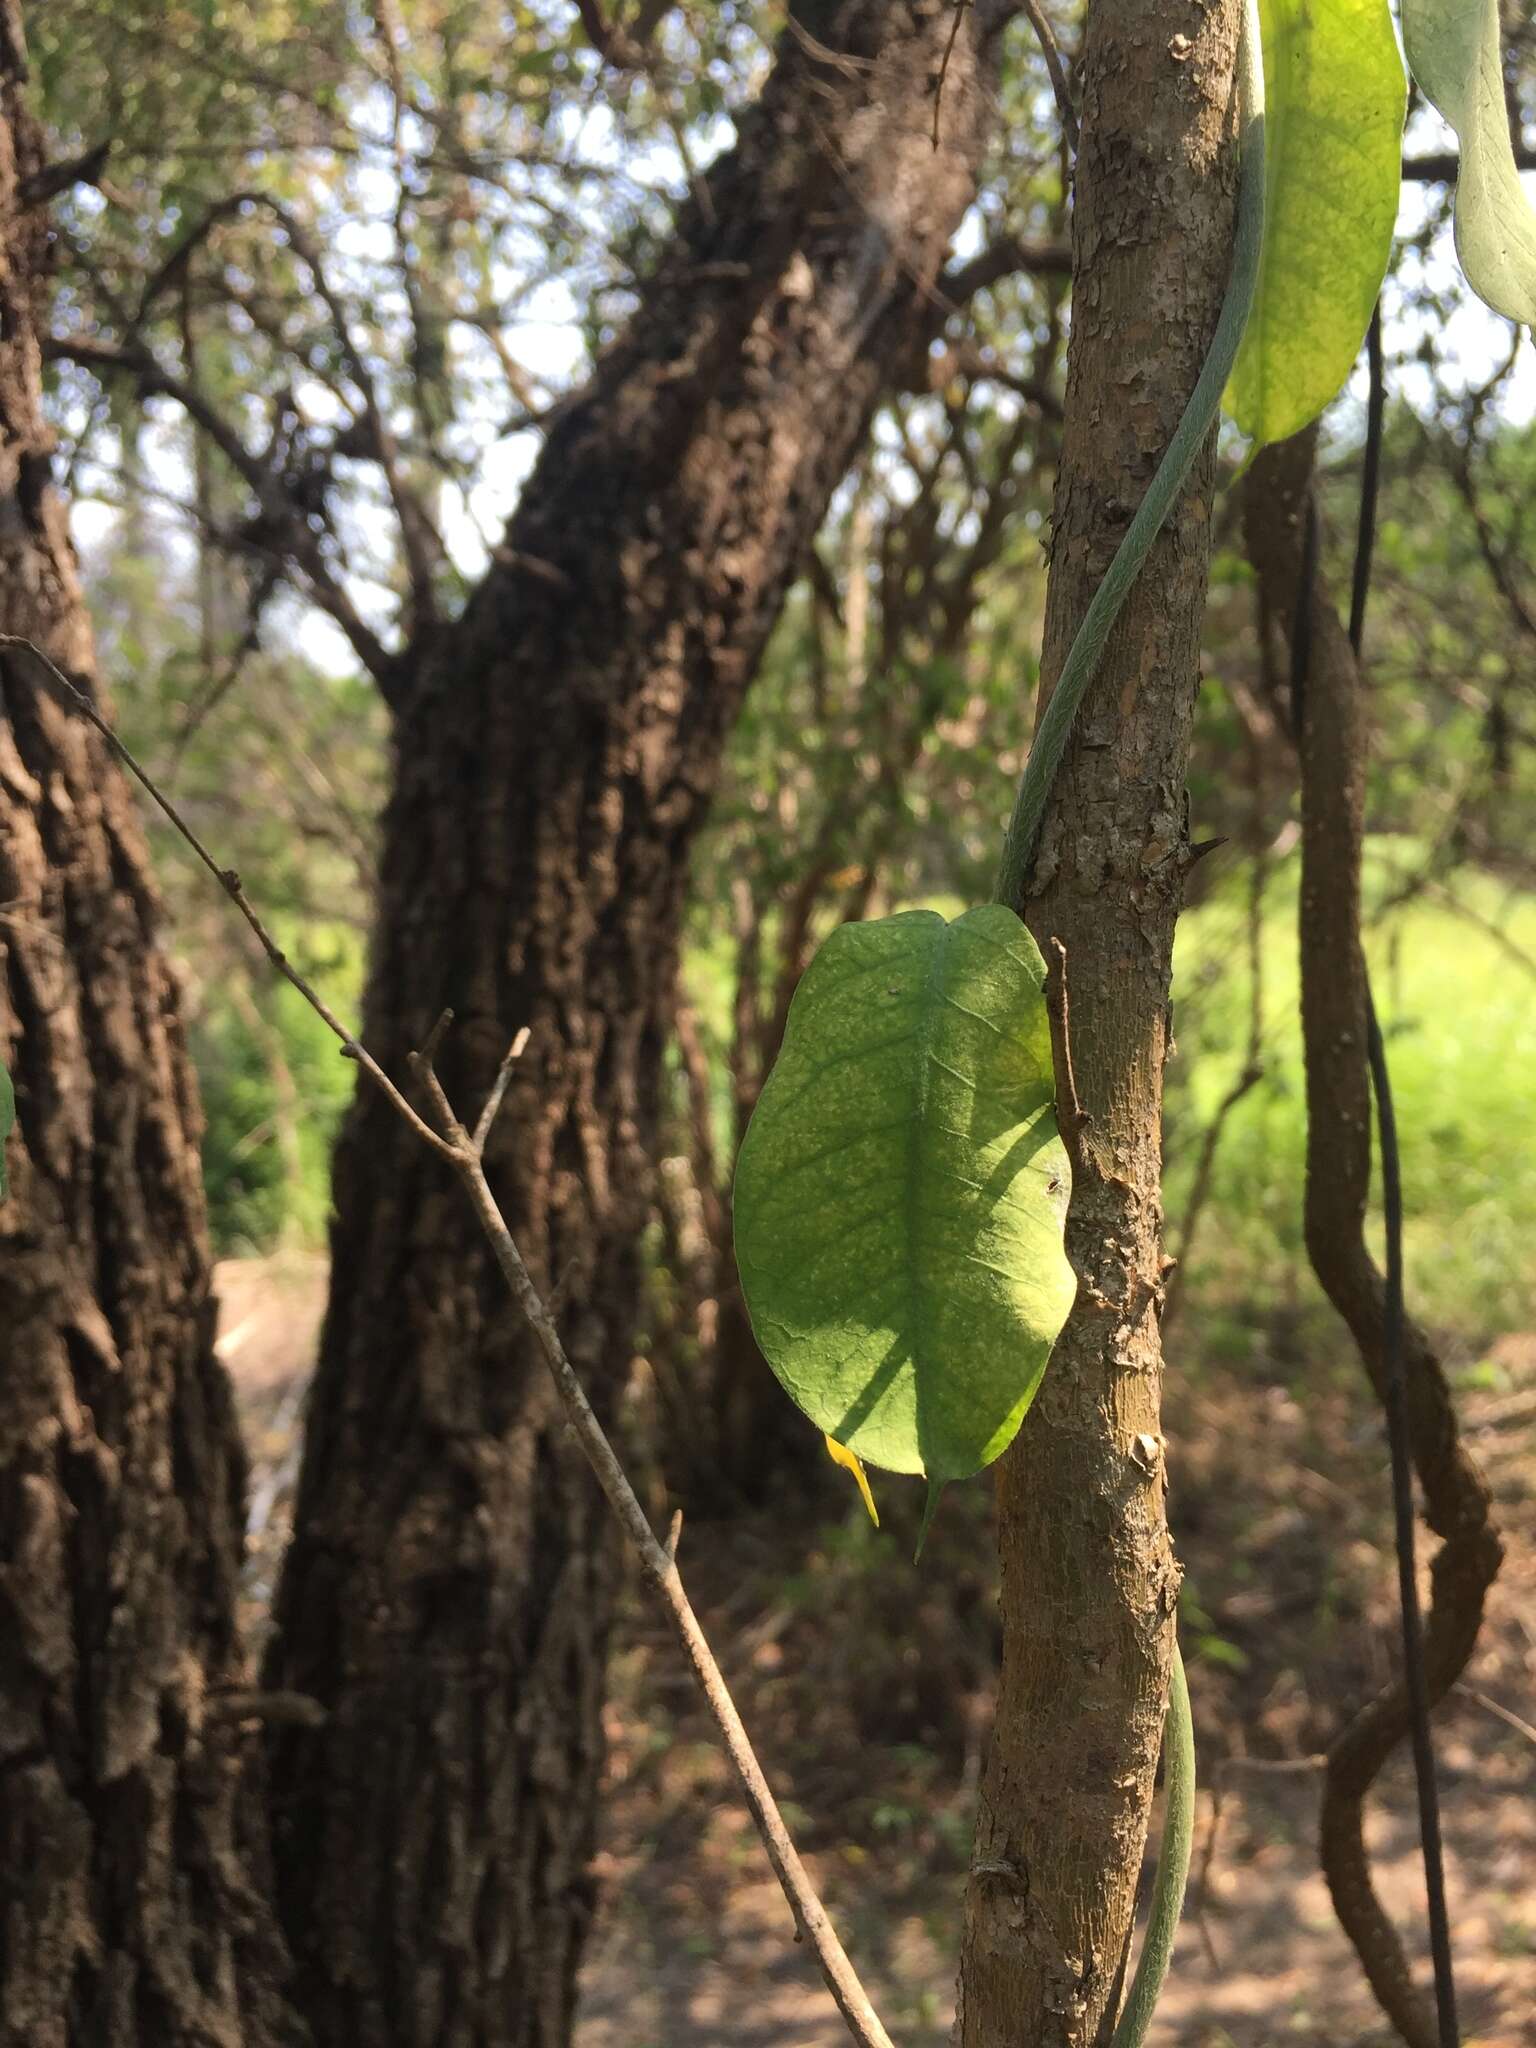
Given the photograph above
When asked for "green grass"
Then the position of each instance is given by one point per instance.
(1459, 1017)
(1459, 1013)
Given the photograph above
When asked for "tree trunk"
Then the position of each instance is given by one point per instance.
(127, 1918)
(448, 1589)
(1089, 1582)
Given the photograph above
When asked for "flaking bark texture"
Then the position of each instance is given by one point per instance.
(126, 1915)
(1089, 1584)
(448, 1590)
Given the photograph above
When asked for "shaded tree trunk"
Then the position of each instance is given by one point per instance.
(127, 1917)
(1089, 1582)
(447, 1594)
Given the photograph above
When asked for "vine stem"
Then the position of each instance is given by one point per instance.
(1395, 1373)
(464, 1150)
(1198, 419)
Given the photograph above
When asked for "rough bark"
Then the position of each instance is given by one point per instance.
(1334, 1003)
(448, 1588)
(1089, 1584)
(127, 1917)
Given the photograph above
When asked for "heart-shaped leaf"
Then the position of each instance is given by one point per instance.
(1334, 98)
(1453, 52)
(902, 1191)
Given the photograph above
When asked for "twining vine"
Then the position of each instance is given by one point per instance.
(1337, 1029)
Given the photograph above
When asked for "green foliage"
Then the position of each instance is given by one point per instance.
(1453, 50)
(1456, 1007)
(1335, 99)
(274, 1092)
(902, 1191)
(280, 766)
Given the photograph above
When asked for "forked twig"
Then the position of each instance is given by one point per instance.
(463, 1149)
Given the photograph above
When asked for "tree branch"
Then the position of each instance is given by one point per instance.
(957, 286)
(422, 545)
(1442, 167)
(1335, 1005)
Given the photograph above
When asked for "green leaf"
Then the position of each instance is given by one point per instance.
(7, 1118)
(1453, 51)
(1333, 130)
(902, 1191)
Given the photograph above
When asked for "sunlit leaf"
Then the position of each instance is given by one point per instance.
(1453, 49)
(902, 1190)
(1334, 102)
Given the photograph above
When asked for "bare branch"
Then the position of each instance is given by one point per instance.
(1051, 51)
(422, 545)
(959, 7)
(1442, 166)
(266, 483)
(53, 179)
(493, 1101)
(1002, 258)
(229, 881)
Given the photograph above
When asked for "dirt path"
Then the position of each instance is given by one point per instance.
(695, 1950)
(692, 1945)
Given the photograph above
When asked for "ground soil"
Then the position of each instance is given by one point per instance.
(867, 1690)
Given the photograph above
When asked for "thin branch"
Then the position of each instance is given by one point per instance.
(1442, 167)
(494, 1100)
(949, 51)
(417, 536)
(1051, 50)
(1000, 259)
(267, 486)
(1492, 1706)
(657, 1560)
(1076, 1116)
